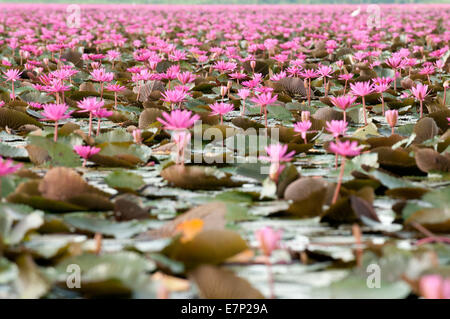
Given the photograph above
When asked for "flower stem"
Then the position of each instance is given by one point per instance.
(421, 108)
(55, 135)
(270, 278)
(90, 124)
(364, 110)
(341, 175)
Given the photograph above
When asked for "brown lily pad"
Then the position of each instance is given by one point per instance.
(218, 283)
(429, 160)
(425, 129)
(197, 177)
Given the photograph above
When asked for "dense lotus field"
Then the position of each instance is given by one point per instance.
(224, 152)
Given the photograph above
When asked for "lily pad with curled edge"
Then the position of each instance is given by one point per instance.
(42, 150)
(397, 161)
(79, 95)
(149, 116)
(432, 212)
(440, 117)
(261, 66)
(308, 195)
(348, 209)
(17, 153)
(212, 214)
(384, 141)
(425, 129)
(390, 181)
(207, 247)
(16, 221)
(61, 189)
(294, 86)
(121, 154)
(288, 175)
(406, 193)
(198, 177)
(429, 160)
(109, 274)
(246, 123)
(15, 119)
(218, 283)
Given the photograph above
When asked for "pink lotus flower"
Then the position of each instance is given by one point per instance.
(116, 88)
(220, 108)
(91, 105)
(343, 149)
(12, 75)
(269, 240)
(186, 77)
(55, 112)
(391, 118)
(86, 152)
(178, 120)
(223, 66)
(277, 154)
(336, 128)
(343, 102)
(420, 92)
(175, 96)
(99, 114)
(100, 75)
(346, 148)
(434, 287)
(7, 167)
(362, 89)
(346, 77)
(263, 100)
(302, 128)
(309, 74)
(382, 84)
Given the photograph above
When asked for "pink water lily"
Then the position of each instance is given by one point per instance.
(178, 119)
(276, 155)
(55, 112)
(420, 92)
(302, 128)
(220, 108)
(12, 75)
(344, 149)
(86, 152)
(91, 105)
(269, 240)
(263, 100)
(362, 89)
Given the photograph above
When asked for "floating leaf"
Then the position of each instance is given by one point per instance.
(197, 177)
(124, 181)
(217, 283)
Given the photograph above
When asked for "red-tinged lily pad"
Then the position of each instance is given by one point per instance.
(197, 177)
